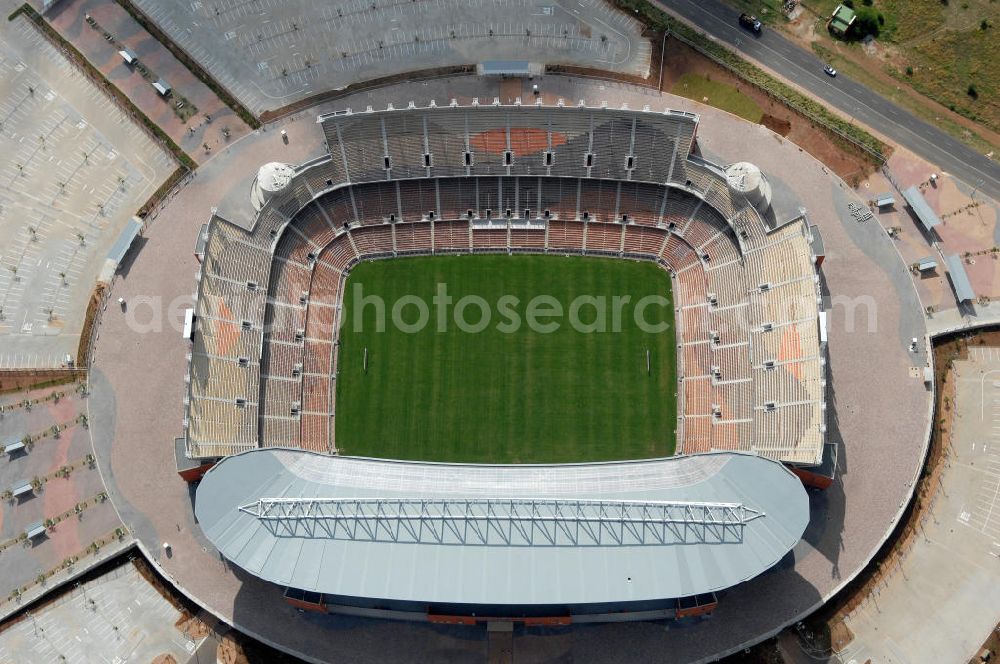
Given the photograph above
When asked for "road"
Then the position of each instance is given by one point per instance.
(803, 68)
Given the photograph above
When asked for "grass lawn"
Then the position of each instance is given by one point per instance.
(501, 396)
(934, 48)
(718, 94)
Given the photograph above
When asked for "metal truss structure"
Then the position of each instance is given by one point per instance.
(505, 522)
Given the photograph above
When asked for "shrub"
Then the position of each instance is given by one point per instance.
(909, 71)
(972, 91)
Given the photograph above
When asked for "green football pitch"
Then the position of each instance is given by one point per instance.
(510, 388)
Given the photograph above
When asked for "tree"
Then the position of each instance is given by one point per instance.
(865, 23)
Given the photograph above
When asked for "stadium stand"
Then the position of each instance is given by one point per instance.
(509, 179)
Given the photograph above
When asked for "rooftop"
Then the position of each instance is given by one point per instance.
(959, 278)
(920, 207)
(633, 531)
(842, 18)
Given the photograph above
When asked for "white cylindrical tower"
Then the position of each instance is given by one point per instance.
(272, 178)
(746, 180)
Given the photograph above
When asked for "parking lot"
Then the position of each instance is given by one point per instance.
(73, 170)
(982, 512)
(270, 53)
(118, 617)
(941, 601)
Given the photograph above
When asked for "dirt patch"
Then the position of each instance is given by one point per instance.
(230, 651)
(87, 334)
(992, 644)
(164, 659)
(779, 126)
(840, 635)
(19, 380)
(838, 155)
(191, 626)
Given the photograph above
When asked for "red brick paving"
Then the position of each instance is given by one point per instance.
(68, 19)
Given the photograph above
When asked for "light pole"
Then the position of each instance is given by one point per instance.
(663, 52)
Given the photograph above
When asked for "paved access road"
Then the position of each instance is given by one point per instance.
(805, 69)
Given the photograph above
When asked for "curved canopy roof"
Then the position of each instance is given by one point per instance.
(502, 535)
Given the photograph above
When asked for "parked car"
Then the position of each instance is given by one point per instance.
(750, 22)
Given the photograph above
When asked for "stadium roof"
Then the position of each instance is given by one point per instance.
(502, 535)
(924, 213)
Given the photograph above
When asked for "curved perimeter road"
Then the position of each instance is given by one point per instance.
(136, 408)
(868, 107)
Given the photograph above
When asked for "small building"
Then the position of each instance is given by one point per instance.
(925, 213)
(11, 448)
(841, 20)
(927, 264)
(510, 68)
(22, 488)
(884, 201)
(125, 239)
(959, 279)
(162, 87)
(34, 530)
(816, 245)
(129, 56)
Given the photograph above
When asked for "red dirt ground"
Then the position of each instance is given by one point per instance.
(680, 59)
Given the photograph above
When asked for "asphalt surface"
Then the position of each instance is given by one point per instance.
(773, 50)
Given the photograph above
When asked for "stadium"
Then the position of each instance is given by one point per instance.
(268, 369)
(383, 484)
(394, 332)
